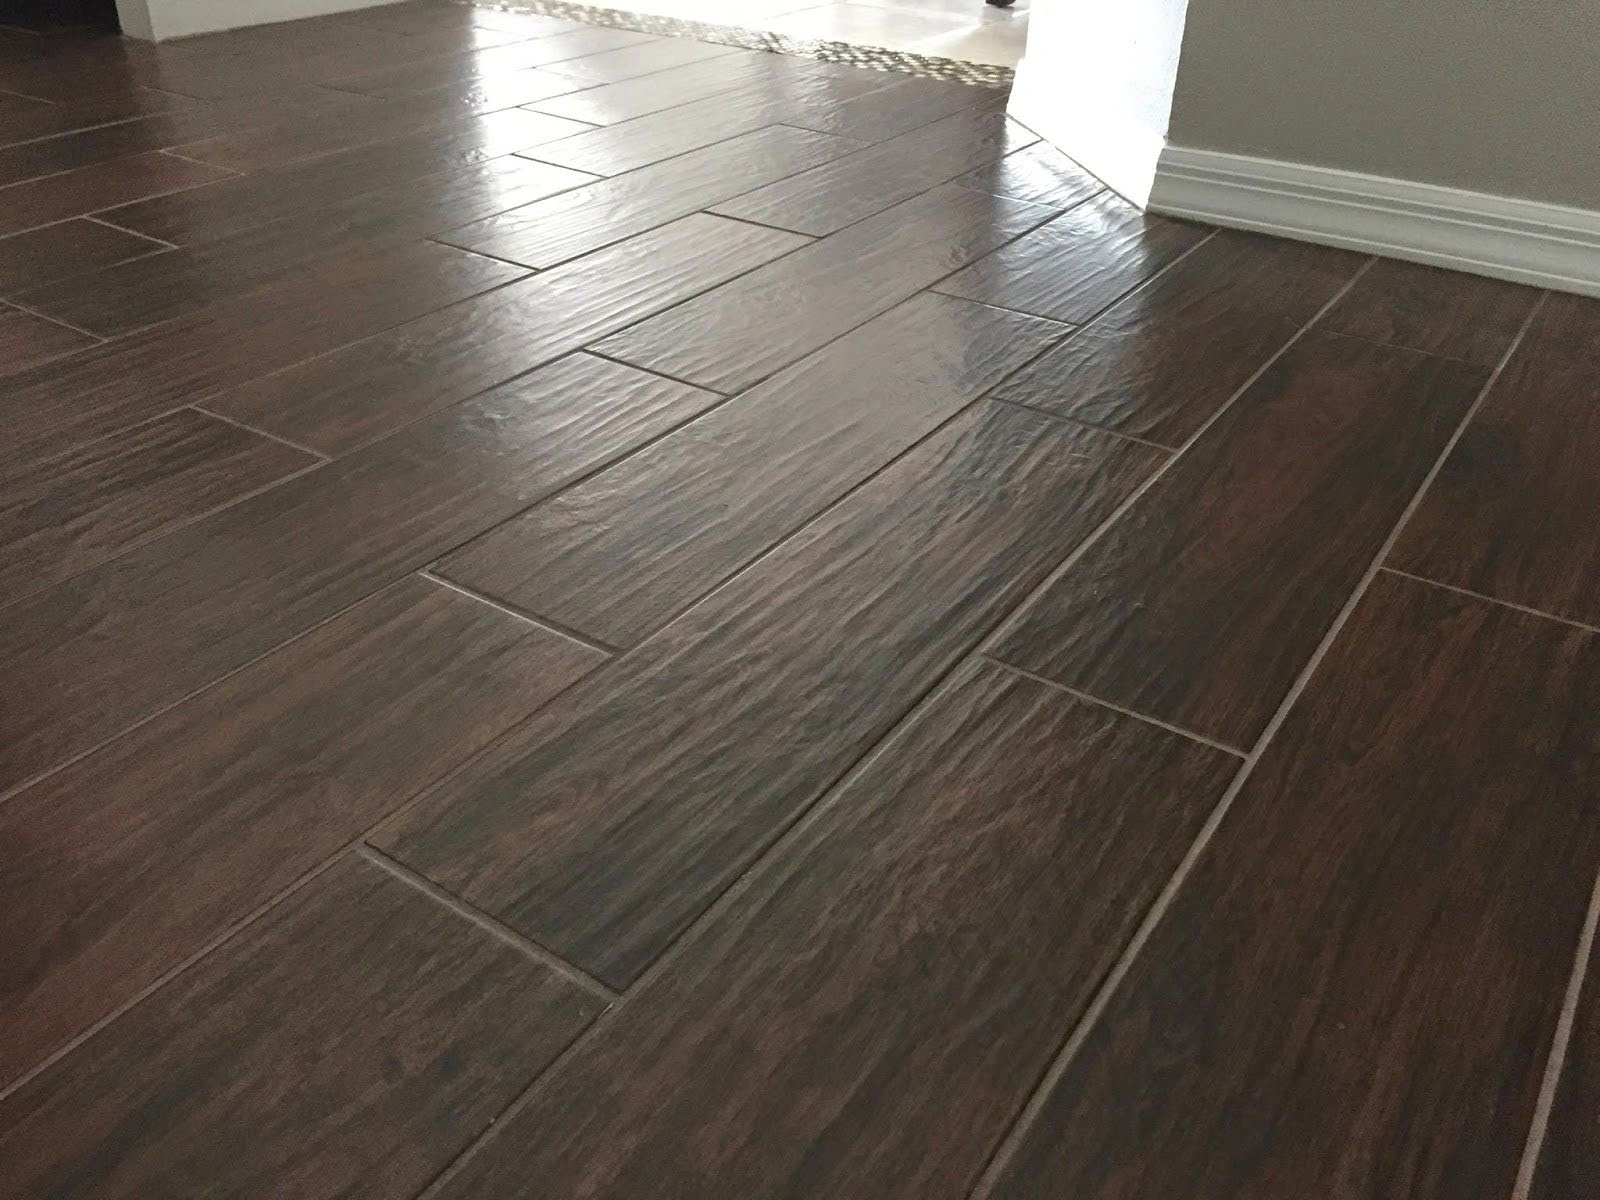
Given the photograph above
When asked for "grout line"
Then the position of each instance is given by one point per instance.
(166, 977)
(487, 923)
(724, 900)
(1484, 596)
(1372, 341)
(33, 312)
(678, 379)
(1055, 416)
(1050, 1080)
(1005, 627)
(318, 454)
(1090, 698)
(249, 918)
(439, 240)
(23, 785)
(712, 212)
(1539, 1127)
(155, 535)
(199, 162)
(131, 233)
(545, 623)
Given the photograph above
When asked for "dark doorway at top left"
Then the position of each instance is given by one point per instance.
(58, 16)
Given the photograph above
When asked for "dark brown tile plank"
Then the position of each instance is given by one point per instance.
(1204, 601)
(629, 99)
(82, 661)
(1353, 994)
(54, 120)
(1569, 1161)
(550, 232)
(168, 286)
(905, 966)
(345, 297)
(67, 248)
(367, 389)
(603, 826)
(897, 109)
(1440, 312)
(381, 172)
(828, 197)
(102, 186)
(195, 819)
(28, 341)
(424, 74)
(1039, 173)
(621, 553)
(630, 144)
(61, 515)
(646, 58)
(742, 332)
(278, 144)
(349, 1044)
(1511, 513)
(1158, 364)
(168, 130)
(1079, 263)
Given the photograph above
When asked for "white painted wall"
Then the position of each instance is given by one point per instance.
(157, 20)
(1097, 80)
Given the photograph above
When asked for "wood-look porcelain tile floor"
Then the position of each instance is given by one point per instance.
(585, 614)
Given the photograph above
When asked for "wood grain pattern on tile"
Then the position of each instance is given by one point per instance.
(83, 660)
(1079, 263)
(382, 171)
(870, 1013)
(606, 824)
(1437, 311)
(136, 856)
(349, 1044)
(1569, 1161)
(621, 553)
(1158, 364)
(1202, 603)
(743, 82)
(91, 189)
(38, 256)
(406, 78)
(28, 341)
(740, 333)
(1511, 513)
(1353, 994)
(165, 287)
(828, 197)
(549, 232)
(277, 144)
(898, 108)
(627, 145)
(63, 514)
(643, 59)
(343, 297)
(1039, 173)
(369, 388)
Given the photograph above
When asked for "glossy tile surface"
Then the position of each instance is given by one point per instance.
(740, 333)
(1201, 606)
(560, 831)
(820, 1008)
(594, 613)
(1298, 1022)
(620, 554)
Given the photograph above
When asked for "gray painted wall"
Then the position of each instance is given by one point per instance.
(1498, 96)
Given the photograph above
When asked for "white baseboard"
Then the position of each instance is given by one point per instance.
(158, 20)
(1544, 244)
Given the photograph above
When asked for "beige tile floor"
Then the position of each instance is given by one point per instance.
(963, 29)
